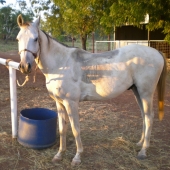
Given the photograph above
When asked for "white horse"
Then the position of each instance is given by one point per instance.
(74, 75)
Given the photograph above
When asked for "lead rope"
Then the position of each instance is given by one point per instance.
(26, 79)
(35, 73)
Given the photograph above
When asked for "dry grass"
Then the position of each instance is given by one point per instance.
(109, 131)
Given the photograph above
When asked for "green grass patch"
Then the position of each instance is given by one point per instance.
(9, 46)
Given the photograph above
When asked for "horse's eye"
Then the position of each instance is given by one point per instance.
(35, 39)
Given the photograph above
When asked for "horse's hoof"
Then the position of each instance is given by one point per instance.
(56, 159)
(139, 144)
(75, 162)
(141, 157)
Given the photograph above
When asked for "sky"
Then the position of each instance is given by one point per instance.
(14, 3)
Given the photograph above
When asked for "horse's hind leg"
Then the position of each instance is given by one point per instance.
(147, 102)
(138, 99)
(63, 123)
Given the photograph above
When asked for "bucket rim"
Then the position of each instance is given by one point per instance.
(38, 108)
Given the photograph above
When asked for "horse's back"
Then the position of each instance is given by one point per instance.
(140, 51)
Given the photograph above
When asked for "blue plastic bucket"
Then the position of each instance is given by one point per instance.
(37, 128)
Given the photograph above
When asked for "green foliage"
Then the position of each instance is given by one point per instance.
(2, 1)
(51, 21)
(8, 22)
(106, 20)
(73, 17)
(134, 11)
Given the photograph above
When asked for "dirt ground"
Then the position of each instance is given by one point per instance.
(109, 131)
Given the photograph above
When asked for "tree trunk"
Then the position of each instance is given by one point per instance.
(6, 39)
(83, 41)
(93, 40)
(72, 41)
(108, 42)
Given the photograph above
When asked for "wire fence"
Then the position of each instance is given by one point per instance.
(160, 45)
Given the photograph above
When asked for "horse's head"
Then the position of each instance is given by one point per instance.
(28, 43)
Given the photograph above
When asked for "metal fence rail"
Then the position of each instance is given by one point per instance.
(13, 66)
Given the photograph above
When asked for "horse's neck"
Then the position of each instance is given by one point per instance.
(52, 55)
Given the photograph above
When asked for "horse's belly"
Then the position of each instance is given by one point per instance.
(104, 88)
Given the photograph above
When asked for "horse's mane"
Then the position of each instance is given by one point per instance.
(49, 37)
(26, 24)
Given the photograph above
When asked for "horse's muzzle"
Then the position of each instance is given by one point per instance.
(25, 68)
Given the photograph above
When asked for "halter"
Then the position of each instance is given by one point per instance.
(34, 54)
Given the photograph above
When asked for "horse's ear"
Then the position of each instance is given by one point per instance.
(20, 20)
(37, 22)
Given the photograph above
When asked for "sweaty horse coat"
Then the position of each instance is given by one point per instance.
(74, 75)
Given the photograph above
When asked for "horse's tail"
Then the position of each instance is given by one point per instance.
(161, 90)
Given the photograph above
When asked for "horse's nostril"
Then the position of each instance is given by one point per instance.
(29, 65)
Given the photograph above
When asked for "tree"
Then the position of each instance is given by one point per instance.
(106, 21)
(8, 22)
(78, 18)
(50, 12)
(22, 4)
(2, 1)
(73, 17)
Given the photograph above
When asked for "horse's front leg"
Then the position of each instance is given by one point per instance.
(72, 111)
(63, 123)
